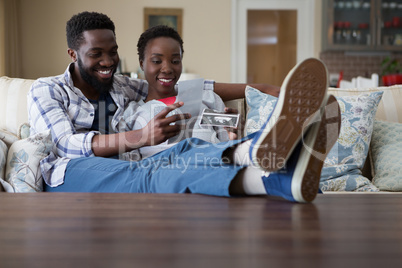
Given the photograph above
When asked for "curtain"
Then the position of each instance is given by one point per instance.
(10, 54)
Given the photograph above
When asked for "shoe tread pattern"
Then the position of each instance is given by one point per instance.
(304, 95)
(327, 136)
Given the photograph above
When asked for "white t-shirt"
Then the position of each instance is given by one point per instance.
(138, 114)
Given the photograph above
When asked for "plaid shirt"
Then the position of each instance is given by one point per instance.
(54, 103)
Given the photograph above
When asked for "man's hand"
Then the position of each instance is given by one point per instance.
(160, 128)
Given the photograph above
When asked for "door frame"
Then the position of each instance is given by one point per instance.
(305, 30)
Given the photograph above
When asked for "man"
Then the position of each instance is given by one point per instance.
(83, 106)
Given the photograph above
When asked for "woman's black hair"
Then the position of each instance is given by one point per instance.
(155, 32)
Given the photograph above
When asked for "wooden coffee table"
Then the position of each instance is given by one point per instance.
(172, 230)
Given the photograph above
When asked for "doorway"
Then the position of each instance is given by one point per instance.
(271, 45)
(305, 28)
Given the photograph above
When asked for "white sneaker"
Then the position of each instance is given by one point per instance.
(302, 93)
(299, 180)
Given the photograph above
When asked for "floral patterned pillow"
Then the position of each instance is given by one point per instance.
(260, 108)
(343, 165)
(23, 172)
(342, 169)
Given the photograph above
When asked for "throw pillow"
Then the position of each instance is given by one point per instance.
(3, 157)
(386, 155)
(342, 167)
(23, 162)
(389, 108)
(23, 131)
(7, 137)
(260, 106)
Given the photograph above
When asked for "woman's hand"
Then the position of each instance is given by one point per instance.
(160, 128)
(234, 132)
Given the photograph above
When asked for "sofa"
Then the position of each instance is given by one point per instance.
(366, 157)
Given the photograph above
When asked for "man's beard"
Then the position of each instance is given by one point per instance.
(101, 87)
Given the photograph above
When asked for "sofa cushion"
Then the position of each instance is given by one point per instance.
(23, 131)
(386, 145)
(23, 172)
(3, 157)
(343, 166)
(389, 108)
(13, 103)
(8, 138)
(260, 106)
(352, 146)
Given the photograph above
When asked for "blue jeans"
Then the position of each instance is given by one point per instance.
(191, 166)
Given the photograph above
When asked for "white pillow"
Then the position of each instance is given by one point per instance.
(23, 172)
(386, 155)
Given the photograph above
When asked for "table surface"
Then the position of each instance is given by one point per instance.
(183, 230)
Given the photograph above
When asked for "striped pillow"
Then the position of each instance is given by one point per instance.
(392, 97)
(13, 103)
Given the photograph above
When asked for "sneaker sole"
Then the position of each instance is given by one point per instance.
(318, 142)
(303, 92)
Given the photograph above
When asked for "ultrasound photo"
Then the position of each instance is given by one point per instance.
(214, 118)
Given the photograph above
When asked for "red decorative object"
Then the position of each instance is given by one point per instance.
(396, 22)
(392, 79)
(363, 26)
(388, 24)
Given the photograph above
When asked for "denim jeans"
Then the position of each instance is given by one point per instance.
(191, 166)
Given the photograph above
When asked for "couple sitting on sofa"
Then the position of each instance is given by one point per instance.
(284, 158)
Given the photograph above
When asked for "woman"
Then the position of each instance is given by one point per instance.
(160, 51)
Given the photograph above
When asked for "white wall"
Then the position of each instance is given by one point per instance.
(206, 33)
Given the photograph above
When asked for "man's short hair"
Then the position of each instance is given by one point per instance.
(85, 21)
(155, 32)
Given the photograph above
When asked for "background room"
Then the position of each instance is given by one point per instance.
(38, 38)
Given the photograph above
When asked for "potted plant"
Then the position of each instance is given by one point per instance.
(391, 72)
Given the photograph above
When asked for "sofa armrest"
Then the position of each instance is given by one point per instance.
(13, 103)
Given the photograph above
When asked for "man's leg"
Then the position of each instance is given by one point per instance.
(302, 93)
